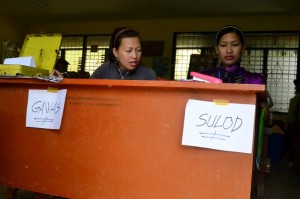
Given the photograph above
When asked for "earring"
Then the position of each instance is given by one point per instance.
(117, 59)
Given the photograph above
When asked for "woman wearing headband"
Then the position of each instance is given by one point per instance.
(124, 57)
(229, 48)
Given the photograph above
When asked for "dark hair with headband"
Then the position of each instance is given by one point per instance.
(116, 39)
(229, 29)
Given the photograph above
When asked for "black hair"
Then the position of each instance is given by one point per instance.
(229, 29)
(296, 82)
(116, 38)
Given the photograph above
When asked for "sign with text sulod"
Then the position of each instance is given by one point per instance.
(219, 126)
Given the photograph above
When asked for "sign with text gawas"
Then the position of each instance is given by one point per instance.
(45, 108)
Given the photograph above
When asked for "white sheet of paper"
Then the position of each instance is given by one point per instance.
(25, 61)
(221, 127)
(45, 109)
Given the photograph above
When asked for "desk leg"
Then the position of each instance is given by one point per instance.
(261, 184)
(264, 169)
(11, 193)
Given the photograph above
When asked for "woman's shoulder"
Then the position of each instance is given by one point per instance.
(106, 64)
(252, 77)
(103, 70)
(146, 73)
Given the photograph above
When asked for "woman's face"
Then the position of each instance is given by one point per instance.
(230, 49)
(129, 53)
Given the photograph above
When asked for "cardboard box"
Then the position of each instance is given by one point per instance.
(44, 48)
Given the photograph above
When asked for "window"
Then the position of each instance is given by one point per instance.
(85, 52)
(276, 53)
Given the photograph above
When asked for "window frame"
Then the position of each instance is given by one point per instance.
(85, 48)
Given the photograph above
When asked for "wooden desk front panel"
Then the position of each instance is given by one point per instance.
(118, 142)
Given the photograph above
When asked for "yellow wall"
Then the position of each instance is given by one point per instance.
(11, 30)
(153, 29)
(164, 29)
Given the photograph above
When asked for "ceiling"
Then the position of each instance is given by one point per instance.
(52, 11)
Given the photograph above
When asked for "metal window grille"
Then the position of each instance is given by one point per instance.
(276, 53)
(71, 49)
(282, 69)
(85, 52)
(97, 48)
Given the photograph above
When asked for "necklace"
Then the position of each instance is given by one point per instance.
(123, 75)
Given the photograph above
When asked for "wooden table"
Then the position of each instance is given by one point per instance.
(120, 139)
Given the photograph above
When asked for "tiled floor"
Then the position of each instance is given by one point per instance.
(283, 182)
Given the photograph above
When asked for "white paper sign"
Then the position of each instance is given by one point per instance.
(221, 127)
(45, 109)
(25, 61)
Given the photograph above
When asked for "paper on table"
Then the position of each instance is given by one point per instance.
(25, 61)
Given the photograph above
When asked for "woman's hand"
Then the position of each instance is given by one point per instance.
(56, 73)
